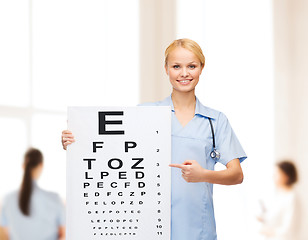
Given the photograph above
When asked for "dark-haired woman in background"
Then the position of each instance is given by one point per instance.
(278, 218)
(33, 213)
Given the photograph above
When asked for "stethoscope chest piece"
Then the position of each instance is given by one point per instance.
(215, 154)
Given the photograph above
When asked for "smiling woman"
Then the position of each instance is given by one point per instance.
(183, 68)
(192, 138)
(192, 146)
(184, 62)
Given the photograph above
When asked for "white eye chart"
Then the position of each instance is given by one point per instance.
(118, 178)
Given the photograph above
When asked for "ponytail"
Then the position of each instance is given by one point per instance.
(33, 157)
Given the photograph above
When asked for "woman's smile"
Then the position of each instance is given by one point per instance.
(184, 81)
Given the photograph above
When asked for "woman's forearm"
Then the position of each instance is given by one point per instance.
(61, 233)
(193, 172)
(230, 176)
(4, 233)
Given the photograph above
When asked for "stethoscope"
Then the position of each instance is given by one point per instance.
(214, 154)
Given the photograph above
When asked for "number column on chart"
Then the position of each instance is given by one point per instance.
(159, 222)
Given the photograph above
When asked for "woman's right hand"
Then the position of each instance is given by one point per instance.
(67, 138)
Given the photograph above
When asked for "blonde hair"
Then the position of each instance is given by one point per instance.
(187, 44)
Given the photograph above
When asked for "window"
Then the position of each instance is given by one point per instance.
(57, 54)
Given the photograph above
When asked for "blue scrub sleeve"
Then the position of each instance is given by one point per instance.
(226, 142)
(61, 212)
(3, 219)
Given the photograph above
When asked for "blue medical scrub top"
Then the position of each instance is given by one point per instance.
(47, 215)
(192, 210)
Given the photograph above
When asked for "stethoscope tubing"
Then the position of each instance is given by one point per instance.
(214, 154)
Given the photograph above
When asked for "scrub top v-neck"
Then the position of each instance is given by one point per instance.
(192, 210)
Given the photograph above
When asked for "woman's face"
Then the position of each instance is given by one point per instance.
(280, 177)
(183, 69)
(37, 171)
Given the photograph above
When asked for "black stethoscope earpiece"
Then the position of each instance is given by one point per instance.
(214, 154)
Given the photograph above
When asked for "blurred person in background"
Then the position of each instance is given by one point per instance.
(32, 213)
(278, 218)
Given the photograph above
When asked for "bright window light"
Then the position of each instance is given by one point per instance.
(14, 53)
(56, 54)
(84, 53)
(12, 153)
